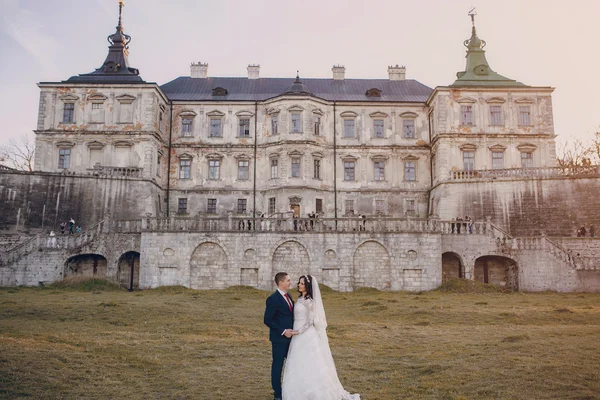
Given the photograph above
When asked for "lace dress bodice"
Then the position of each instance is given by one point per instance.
(304, 314)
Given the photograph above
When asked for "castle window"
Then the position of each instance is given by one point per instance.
(185, 168)
(317, 168)
(219, 91)
(187, 126)
(274, 121)
(211, 206)
(214, 169)
(469, 160)
(410, 207)
(243, 170)
(349, 207)
(296, 122)
(241, 206)
(182, 205)
(296, 167)
(272, 202)
(244, 130)
(97, 116)
(317, 125)
(318, 206)
(126, 108)
(349, 128)
(215, 127)
(524, 116)
(158, 165)
(274, 168)
(466, 115)
(378, 128)
(64, 158)
(410, 171)
(496, 116)
(349, 167)
(526, 160)
(409, 128)
(497, 159)
(69, 113)
(379, 170)
(373, 92)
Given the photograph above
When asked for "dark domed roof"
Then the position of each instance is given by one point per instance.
(298, 89)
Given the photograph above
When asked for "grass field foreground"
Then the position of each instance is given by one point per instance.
(95, 341)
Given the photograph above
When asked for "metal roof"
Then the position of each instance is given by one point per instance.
(186, 88)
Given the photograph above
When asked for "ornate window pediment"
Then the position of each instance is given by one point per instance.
(468, 147)
(495, 100)
(274, 155)
(466, 100)
(242, 157)
(125, 99)
(497, 148)
(378, 114)
(296, 108)
(244, 114)
(295, 153)
(295, 200)
(123, 143)
(409, 114)
(214, 156)
(410, 157)
(95, 145)
(318, 111)
(69, 98)
(317, 154)
(215, 114)
(273, 111)
(379, 157)
(185, 156)
(97, 98)
(373, 92)
(349, 157)
(527, 147)
(219, 91)
(187, 113)
(524, 100)
(348, 114)
(65, 143)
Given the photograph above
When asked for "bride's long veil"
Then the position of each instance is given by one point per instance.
(320, 318)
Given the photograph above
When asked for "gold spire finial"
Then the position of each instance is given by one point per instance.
(121, 5)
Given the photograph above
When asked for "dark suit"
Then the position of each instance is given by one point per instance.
(278, 318)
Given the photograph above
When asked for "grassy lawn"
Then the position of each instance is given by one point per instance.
(175, 343)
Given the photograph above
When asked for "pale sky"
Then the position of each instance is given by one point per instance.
(537, 42)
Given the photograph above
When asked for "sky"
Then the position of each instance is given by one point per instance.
(537, 42)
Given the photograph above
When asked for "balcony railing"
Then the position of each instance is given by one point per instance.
(103, 170)
(544, 172)
(296, 225)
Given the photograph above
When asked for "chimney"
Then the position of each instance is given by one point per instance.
(253, 71)
(338, 72)
(397, 73)
(199, 70)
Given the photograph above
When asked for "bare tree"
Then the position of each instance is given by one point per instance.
(18, 153)
(593, 150)
(573, 154)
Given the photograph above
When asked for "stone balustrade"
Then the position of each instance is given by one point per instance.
(544, 172)
(103, 170)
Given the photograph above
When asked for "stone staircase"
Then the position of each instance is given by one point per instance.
(41, 242)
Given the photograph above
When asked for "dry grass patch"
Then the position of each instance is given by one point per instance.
(177, 343)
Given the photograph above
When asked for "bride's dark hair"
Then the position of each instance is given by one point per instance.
(308, 279)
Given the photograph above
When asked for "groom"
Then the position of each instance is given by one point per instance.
(279, 317)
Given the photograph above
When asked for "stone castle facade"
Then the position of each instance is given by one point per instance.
(217, 181)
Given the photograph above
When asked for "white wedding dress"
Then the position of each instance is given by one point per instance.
(310, 372)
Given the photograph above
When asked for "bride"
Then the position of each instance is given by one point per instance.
(310, 372)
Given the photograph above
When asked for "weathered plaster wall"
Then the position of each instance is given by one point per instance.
(555, 206)
(45, 199)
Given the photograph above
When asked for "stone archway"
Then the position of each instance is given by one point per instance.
(452, 267)
(372, 266)
(92, 265)
(129, 270)
(291, 257)
(209, 267)
(497, 270)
